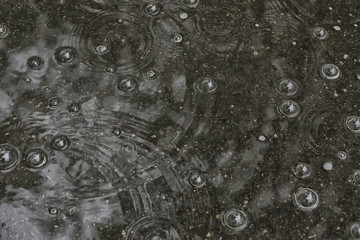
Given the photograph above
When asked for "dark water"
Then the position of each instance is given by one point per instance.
(179, 119)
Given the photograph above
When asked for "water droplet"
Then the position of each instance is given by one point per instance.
(234, 219)
(287, 87)
(190, 3)
(306, 199)
(128, 147)
(328, 166)
(74, 107)
(53, 211)
(150, 73)
(152, 8)
(60, 143)
(354, 229)
(177, 38)
(35, 63)
(196, 180)
(330, 71)
(101, 49)
(342, 155)
(183, 15)
(9, 157)
(127, 85)
(54, 102)
(206, 85)
(289, 108)
(353, 124)
(355, 177)
(66, 55)
(36, 158)
(4, 31)
(320, 33)
(302, 170)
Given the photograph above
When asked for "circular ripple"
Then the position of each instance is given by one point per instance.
(306, 199)
(9, 157)
(35, 63)
(66, 55)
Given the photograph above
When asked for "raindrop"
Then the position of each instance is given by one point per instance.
(127, 85)
(74, 108)
(289, 108)
(355, 177)
(234, 219)
(190, 3)
(353, 124)
(152, 8)
(9, 157)
(36, 158)
(302, 170)
(53, 211)
(54, 102)
(342, 155)
(128, 147)
(66, 55)
(183, 15)
(60, 143)
(177, 38)
(196, 180)
(354, 229)
(306, 199)
(206, 85)
(35, 63)
(330, 71)
(320, 33)
(4, 31)
(287, 87)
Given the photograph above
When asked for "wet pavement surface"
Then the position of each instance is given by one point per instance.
(179, 119)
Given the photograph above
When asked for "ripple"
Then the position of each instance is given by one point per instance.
(66, 56)
(9, 157)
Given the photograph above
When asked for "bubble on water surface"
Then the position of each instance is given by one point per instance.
(330, 71)
(60, 143)
(190, 3)
(35, 63)
(9, 157)
(152, 9)
(320, 33)
(306, 199)
(234, 219)
(4, 31)
(66, 55)
(287, 87)
(353, 123)
(36, 158)
(197, 180)
(302, 170)
(289, 108)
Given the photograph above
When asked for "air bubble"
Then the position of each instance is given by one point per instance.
(150, 73)
(190, 3)
(128, 147)
(53, 211)
(206, 85)
(116, 131)
(354, 229)
(306, 199)
(234, 219)
(101, 49)
(342, 155)
(66, 55)
(36, 158)
(289, 108)
(54, 102)
(177, 38)
(9, 157)
(4, 31)
(127, 85)
(183, 15)
(74, 108)
(355, 177)
(302, 170)
(330, 71)
(152, 9)
(60, 143)
(35, 63)
(196, 180)
(320, 33)
(353, 124)
(287, 87)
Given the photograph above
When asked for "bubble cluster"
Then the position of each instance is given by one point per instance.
(320, 33)
(353, 124)
(287, 87)
(330, 71)
(234, 219)
(206, 85)
(289, 108)
(306, 199)
(60, 143)
(36, 158)
(66, 55)
(302, 170)
(196, 180)
(9, 157)
(35, 63)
